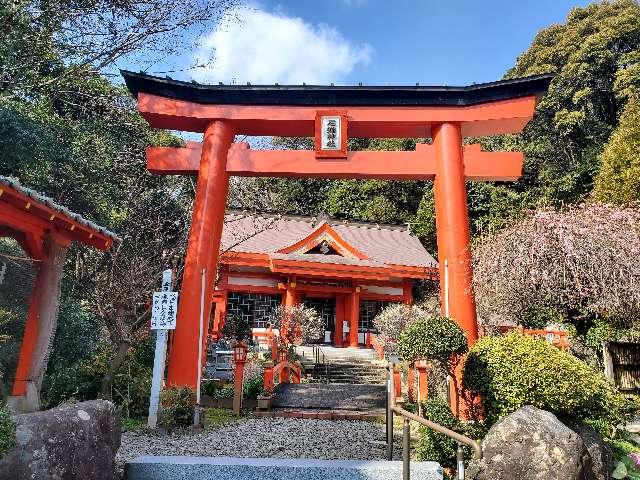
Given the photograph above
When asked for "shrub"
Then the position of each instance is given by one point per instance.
(515, 370)
(436, 338)
(228, 391)
(178, 405)
(253, 387)
(394, 318)
(435, 446)
(298, 324)
(7, 431)
(236, 327)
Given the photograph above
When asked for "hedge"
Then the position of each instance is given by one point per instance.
(515, 370)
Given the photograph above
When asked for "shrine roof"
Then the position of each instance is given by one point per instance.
(269, 234)
(45, 208)
(336, 95)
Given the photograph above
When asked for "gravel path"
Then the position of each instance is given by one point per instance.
(267, 437)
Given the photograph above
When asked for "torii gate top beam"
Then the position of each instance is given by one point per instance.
(374, 111)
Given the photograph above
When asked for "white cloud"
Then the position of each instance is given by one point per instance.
(264, 48)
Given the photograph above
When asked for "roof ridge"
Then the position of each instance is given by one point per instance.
(319, 219)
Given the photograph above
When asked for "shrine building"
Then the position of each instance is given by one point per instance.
(348, 271)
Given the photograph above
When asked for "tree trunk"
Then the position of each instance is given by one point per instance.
(116, 362)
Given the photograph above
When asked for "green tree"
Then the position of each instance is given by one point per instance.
(591, 55)
(619, 178)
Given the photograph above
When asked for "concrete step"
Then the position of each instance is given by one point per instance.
(228, 468)
(331, 396)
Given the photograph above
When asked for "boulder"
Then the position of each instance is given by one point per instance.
(70, 442)
(532, 444)
(600, 453)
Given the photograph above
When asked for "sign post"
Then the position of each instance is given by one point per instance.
(163, 319)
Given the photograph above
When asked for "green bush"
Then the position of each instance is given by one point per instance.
(436, 338)
(178, 405)
(236, 327)
(7, 431)
(227, 391)
(210, 388)
(435, 446)
(515, 370)
(252, 387)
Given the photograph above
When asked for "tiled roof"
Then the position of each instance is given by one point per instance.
(48, 202)
(382, 244)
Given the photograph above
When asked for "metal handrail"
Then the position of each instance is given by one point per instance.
(406, 439)
(317, 352)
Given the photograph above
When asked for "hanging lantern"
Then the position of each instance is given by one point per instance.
(240, 352)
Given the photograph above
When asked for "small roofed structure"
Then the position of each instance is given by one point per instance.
(44, 230)
(348, 271)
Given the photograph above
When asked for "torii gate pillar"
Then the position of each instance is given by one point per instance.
(452, 227)
(202, 253)
(453, 236)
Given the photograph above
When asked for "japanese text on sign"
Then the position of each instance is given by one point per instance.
(331, 133)
(163, 311)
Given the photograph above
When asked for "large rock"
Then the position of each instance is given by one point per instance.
(532, 444)
(70, 442)
(600, 453)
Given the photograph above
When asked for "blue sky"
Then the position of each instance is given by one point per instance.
(381, 42)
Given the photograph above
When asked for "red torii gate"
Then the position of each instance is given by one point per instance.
(446, 114)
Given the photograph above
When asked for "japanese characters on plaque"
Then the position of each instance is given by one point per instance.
(164, 310)
(331, 133)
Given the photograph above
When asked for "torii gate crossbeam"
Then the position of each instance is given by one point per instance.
(446, 114)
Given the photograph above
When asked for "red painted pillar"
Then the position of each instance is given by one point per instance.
(452, 222)
(407, 294)
(338, 333)
(411, 380)
(202, 252)
(219, 315)
(41, 323)
(354, 317)
(268, 377)
(423, 380)
(290, 295)
(29, 339)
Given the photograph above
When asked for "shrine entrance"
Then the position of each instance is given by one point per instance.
(326, 308)
(331, 114)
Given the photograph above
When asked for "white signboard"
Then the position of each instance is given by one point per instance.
(331, 133)
(164, 310)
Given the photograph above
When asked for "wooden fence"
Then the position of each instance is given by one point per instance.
(622, 364)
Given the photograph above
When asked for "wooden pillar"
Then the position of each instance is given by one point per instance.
(202, 252)
(219, 315)
(411, 380)
(354, 316)
(40, 327)
(423, 380)
(290, 295)
(338, 333)
(452, 230)
(407, 294)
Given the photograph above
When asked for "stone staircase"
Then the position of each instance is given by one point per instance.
(341, 365)
(333, 396)
(228, 468)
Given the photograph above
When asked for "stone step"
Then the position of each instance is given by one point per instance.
(228, 468)
(331, 396)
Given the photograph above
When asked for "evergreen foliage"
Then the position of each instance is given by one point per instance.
(434, 446)
(515, 370)
(618, 180)
(178, 406)
(435, 338)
